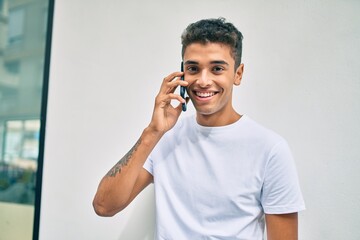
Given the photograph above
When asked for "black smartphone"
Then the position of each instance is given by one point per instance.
(183, 89)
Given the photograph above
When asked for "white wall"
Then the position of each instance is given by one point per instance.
(302, 79)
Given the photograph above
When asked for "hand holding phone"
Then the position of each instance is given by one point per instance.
(183, 89)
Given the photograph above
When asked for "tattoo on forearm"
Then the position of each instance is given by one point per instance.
(123, 161)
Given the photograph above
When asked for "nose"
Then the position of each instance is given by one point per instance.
(204, 79)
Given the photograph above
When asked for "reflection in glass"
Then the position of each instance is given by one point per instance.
(22, 51)
(19, 161)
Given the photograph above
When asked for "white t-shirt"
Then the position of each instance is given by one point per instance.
(217, 182)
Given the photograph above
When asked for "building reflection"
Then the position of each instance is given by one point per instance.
(22, 50)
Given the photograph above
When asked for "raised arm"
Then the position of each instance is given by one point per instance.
(128, 177)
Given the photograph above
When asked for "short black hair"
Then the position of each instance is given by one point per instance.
(214, 30)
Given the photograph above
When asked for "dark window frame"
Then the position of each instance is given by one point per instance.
(44, 99)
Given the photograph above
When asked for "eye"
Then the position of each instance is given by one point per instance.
(192, 69)
(218, 69)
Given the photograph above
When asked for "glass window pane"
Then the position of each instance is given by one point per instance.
(22, 57)
(16, 25)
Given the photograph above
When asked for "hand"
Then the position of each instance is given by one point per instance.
(165, 115)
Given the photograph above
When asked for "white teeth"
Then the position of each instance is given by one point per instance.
(205, 94)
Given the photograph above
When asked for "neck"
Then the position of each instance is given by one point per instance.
(217, 120)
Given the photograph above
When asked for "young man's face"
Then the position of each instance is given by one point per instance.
(210, 70)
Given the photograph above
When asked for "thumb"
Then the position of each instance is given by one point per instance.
(179, 109)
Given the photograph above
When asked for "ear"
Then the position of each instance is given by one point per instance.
(238, 74)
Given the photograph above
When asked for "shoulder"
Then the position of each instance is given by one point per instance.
(256, 132)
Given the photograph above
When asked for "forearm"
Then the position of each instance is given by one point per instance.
(117, 185)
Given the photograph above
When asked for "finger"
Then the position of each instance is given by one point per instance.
(173, 75)
(179, 109)
(165, 88)
(165, 100)
(173, 96)
(174, 84)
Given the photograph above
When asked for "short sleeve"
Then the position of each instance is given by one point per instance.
(281, 190)
(148, 165)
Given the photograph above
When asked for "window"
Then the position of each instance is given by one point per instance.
(24, 64)
(12, 67)
(16, 25)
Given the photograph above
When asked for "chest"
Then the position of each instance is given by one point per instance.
(211, 177)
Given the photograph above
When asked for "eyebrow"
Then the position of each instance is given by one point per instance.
(221, 62)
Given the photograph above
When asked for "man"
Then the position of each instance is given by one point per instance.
(218, 175)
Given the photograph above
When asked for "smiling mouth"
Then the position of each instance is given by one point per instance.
(204, 94)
